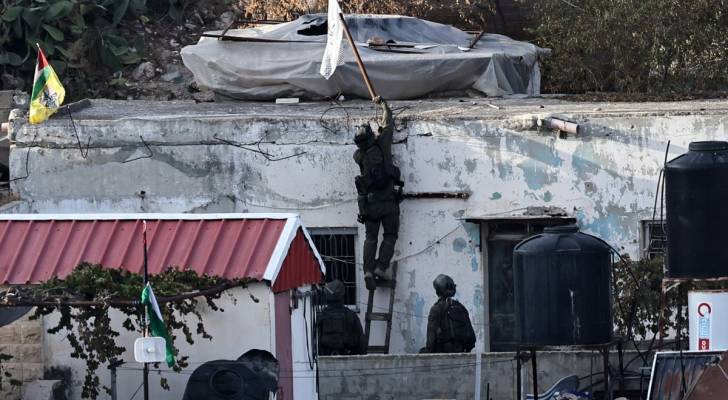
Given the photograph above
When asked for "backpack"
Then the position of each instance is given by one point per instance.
(333, 328)
(378, 175)
(455, 325)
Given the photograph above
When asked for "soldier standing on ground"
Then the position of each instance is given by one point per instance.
(339, 329)
(448, 326)
(378, 198)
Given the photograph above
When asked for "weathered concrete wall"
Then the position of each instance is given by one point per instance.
(606, 176)
(450, 376)
(23, 341)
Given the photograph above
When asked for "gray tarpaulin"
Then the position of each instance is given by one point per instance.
(438, 62)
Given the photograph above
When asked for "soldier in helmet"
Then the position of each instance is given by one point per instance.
(448, 326)
(339, 329)
(378, 199)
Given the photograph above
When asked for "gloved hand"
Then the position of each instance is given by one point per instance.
(378, 100)
(361, 218)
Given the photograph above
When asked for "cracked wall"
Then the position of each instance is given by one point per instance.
(606, 178)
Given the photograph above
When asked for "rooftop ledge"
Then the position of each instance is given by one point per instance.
(428, 109)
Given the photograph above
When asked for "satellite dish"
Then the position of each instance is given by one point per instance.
(8, 315)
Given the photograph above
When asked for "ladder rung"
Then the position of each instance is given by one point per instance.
(379, 316)
(388, 283)
(377, 350)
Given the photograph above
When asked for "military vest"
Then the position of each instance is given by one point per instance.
(334, 333)
(454, 326)
(377, 174)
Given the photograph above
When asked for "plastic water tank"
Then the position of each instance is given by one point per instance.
(696, 191)
(563, 289)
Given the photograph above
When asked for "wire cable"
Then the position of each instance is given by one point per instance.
(138, 389)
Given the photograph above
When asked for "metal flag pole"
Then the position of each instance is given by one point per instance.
(362, 68)
(145, 371)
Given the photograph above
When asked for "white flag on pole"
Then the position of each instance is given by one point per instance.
(333, 56)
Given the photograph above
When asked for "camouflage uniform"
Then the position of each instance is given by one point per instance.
(448, 326)
(378, 199)
(339, 329)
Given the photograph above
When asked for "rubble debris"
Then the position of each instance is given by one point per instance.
(144, 71)
(205, 96)
(288, 100)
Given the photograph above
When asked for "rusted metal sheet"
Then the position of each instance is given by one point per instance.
(669, 369)
(713, 383)
(300, 266)
(35, 250)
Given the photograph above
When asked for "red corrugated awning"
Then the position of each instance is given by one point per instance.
(35, 248)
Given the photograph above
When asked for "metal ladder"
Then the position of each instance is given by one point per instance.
(381, 316)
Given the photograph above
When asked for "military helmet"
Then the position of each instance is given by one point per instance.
(444, 286)
(364, 135)
(334, 292)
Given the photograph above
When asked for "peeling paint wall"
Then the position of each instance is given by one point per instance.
(606, 177)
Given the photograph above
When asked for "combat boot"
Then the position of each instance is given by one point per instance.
(370, 281)
(381, 273)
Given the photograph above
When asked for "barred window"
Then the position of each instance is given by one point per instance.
(337, 247)
(653, 239)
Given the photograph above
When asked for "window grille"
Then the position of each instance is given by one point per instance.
(654, 239)
(338, 251)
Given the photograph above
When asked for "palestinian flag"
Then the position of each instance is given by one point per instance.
(157, 327)
(48, 93)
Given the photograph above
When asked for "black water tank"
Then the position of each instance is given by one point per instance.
(696, 197)
(563, 289)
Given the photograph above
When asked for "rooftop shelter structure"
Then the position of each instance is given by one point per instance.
(406, 58)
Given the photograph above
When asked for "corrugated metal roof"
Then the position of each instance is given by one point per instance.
(667, 373)
(36, 248)
(300, 266)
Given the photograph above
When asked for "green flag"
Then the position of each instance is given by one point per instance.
(157, 327)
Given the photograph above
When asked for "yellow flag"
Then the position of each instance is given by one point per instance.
(48, 93)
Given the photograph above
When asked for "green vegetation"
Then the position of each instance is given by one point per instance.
(83, 38)
(89, 327)
(658, 46)
(636, 300)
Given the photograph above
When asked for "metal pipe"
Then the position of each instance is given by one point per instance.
(437, 195)
(113, 303)
(478, 369)
(359, 62)
(518, 373)
(145, 372)
(535, 373)
(561, 125)
(607, 385)
(113, 365)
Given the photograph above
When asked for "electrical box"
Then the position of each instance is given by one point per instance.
(150, 350)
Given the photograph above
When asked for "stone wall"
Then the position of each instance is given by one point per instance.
(23, 341)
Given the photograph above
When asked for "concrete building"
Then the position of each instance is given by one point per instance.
(480, 173)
